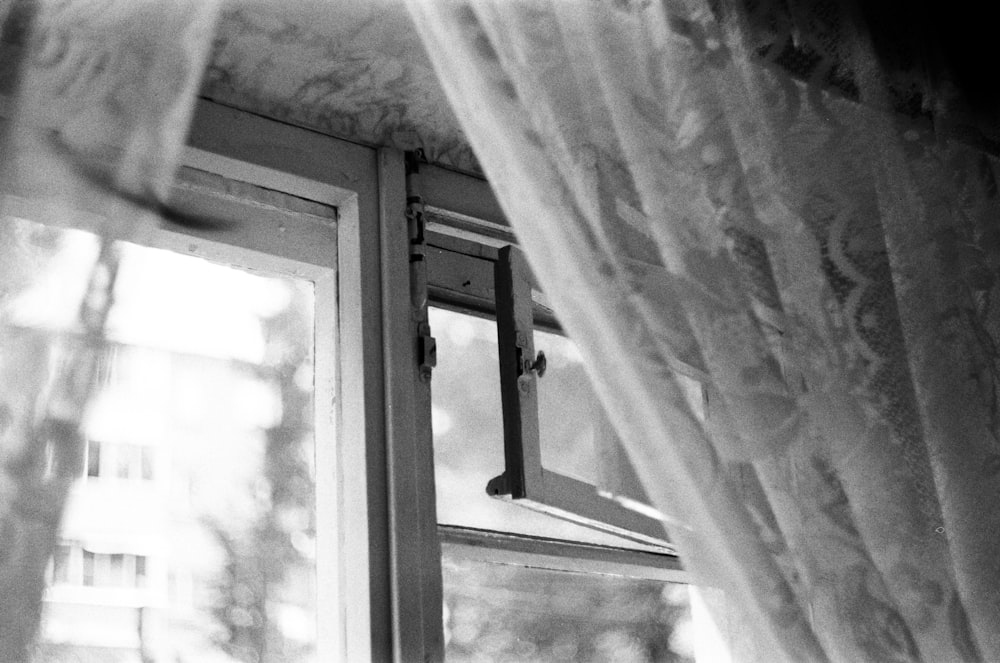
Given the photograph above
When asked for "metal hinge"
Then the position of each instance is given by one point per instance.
(415, 226)
(426, 352)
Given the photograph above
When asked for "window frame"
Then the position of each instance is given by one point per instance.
(297, 249)
(464, 220)
(379, 546)
(493, 280)
(525, 480)
(354, 577)
(382, 590)
(389, 570)
(355, 574)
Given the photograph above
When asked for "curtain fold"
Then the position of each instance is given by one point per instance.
(95, 101)
(823, 266)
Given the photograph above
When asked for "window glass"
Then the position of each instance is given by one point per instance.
(570, 420)
(60, 564)
(502, 612)
(468, 435)
(93, 458)
(576, 437)
(204, 400)
(140, 570)
(147, 462)
(116, 573)
(89, 563)
(123, 460)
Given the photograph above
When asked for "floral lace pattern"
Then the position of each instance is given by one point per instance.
(826, 269)
(97, 99)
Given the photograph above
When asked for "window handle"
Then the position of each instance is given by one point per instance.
(538, 365)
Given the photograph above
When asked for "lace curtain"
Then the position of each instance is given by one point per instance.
(824, 268)
(95, 100)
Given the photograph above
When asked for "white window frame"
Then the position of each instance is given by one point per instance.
(365, 534)
(378, 560)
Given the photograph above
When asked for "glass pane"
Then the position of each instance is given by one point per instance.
(570, 422)
(468, 435)
(93, 458)
(576, 438)
(116, 572)
(206, 400)
(60, 561)
(88, 568)
(123, 460)
(140, 570)
(147, 463)
(502, 612)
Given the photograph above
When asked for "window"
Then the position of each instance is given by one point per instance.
(89, 568)
(220, 376)
(575, 576)
(399, 455)
(93, 458)
(572, 563)
(73, 564)
(121, 460)
(140, 570)
(61, 564)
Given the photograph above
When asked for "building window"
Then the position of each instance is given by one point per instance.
(93, 458)
(89, 568)
(96, 569)
(61, 573)
(146, 454)
(120, 460)
(140, 570)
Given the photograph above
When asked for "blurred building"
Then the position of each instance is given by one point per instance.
(174, 474)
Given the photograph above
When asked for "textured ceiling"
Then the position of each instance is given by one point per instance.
(356, 69)
(349, 68)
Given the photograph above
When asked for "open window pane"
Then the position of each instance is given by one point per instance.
(207, 409)
(469, 436)
(569, 414)
(575, 436)
(502, 612)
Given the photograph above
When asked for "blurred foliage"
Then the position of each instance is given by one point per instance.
(505, 613)
(267, 564)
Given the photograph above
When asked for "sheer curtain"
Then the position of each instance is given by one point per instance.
(95, 100)
(826, 270)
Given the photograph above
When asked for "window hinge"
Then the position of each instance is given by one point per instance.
(415, 226)
(426, 351)
(418, 266)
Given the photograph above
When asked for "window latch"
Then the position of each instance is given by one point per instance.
(537, 366)
(527, 365)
